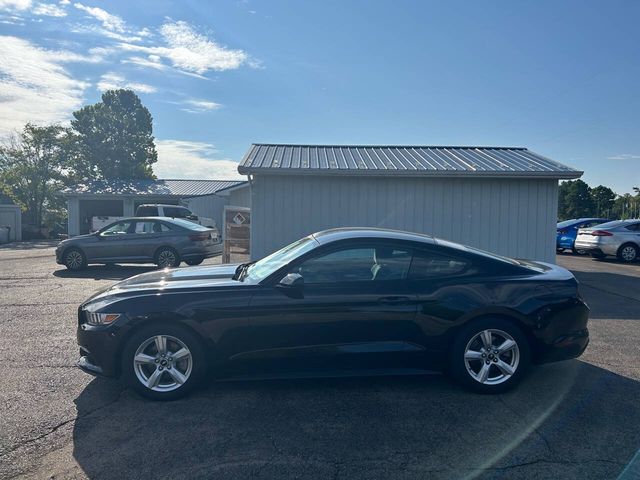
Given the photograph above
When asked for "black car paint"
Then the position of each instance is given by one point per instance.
(408, 324)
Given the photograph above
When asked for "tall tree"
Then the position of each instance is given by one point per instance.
(574, 200)
(603, 199)
(33, 169)
(114, 138)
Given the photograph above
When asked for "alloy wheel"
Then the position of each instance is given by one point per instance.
(163, 363)
(166, 258)
(492, 357)
(628, 253)
(74, 259)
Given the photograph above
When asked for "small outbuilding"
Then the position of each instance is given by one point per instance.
(499, 199)
(10, 220)
(116, 198)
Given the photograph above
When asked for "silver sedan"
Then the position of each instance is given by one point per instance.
(620, 238)
(163, 241)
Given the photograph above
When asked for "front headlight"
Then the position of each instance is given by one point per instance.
(100, 318)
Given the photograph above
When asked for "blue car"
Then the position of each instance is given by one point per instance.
(567, 231)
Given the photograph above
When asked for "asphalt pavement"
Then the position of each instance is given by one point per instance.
(575, 419)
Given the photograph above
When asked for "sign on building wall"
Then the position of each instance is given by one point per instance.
(237, 234)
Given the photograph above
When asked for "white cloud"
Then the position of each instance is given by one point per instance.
(190, 51)
(34, 86)
(110, 22)
(196, 160)
(49, 10)
(114, 81)
(64, 2)
(195, 105)
(624, 156)
(15, 4)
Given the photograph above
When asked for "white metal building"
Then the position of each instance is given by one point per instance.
(11, 216)
(499, 199)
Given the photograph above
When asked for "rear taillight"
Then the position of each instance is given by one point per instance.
(199, 237)
(601, 233)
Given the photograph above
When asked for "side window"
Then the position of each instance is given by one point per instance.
(147, 227)
(633, 227)
(120, 228)
(427, 265)
(357, 264)
(164, 228)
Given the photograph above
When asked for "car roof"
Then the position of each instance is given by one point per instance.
(160, 205)
(335, 234)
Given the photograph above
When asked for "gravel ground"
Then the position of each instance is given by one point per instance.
(575, 419)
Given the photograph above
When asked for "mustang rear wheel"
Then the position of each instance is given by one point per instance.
(163, 362)
(490, 356)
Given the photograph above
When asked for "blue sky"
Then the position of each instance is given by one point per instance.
(559, 77)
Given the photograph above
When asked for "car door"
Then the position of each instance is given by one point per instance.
(114, 242)
(354, 310)
(146, 238)
(447, 285)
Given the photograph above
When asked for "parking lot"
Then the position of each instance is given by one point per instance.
(576, 419)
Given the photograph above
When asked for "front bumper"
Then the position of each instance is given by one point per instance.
(100, 348)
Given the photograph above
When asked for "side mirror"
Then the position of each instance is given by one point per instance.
(292, 284)
(192, 217)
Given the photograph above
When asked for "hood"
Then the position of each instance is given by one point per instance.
(174, 278)
(76, 237)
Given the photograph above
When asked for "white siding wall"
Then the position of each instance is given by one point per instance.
(512, 217)
(209, 206)
(11, 216)
(240, 197)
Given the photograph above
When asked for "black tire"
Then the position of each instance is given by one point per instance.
(195, 375)
(598, 256)
(167, 257)
(628, 253)
(519, 357)
(74, 259)
(194, 261)
(578, 252)
(559, 250)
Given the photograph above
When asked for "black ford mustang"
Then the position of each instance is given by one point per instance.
(343, 300)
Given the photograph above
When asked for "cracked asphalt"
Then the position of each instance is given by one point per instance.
(575, 419)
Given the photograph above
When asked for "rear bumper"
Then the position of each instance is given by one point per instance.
(568, 346)
(201, 252)
(563, 334)
(597, 247)
(564, 241)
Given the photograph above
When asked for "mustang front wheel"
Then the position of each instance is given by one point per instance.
(163, 362)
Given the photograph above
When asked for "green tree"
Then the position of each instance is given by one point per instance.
(603, 199)
(33, 170)
(114, 138)
(574, 200)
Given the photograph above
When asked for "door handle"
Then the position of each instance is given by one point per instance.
(394, 300)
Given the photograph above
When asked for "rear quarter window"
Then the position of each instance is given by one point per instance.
(428, 265)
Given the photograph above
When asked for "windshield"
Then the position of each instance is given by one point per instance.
(566, 223)
(265, 267)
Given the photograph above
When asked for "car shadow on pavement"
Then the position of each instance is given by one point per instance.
(105, 272)
(567, 420)
(611, 295)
